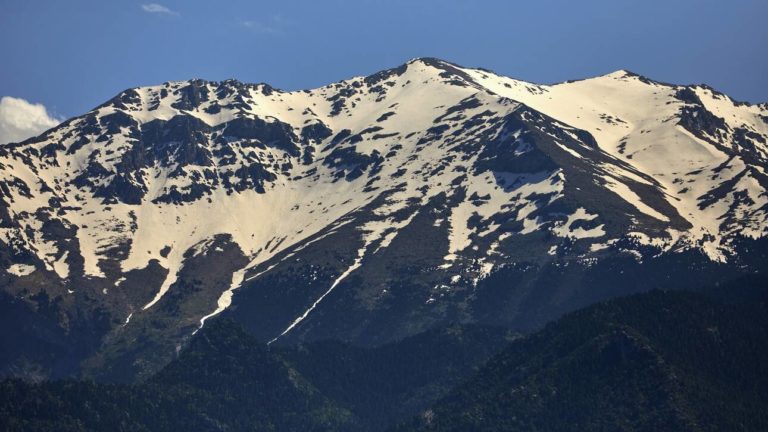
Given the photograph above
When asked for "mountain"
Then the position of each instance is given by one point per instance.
(385, 385)
(226, 380)
(366, 211)
(664, 360)
(655, 361)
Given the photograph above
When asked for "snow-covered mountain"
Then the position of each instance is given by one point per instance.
(368, 209)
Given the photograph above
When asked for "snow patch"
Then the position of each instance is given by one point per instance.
(21, 269)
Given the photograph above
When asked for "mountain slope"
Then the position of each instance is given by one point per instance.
(384, 385)
(371, 209)
(655, 361)
(226, 380)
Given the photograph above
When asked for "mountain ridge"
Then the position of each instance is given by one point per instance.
(392, 198)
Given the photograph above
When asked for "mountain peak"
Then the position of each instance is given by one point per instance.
(425, 60)
(624, 73)
(387, 203)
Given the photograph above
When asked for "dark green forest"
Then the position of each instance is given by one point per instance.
(658, 361)
(663, 360)
(227, 380)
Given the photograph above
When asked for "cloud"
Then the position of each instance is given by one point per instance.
(274, 25)
(158, 9)
(258, 27)
(20, 119)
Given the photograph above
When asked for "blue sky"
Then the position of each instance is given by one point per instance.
(72, 55)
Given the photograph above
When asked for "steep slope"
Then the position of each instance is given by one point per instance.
(373, 208)
(655, 361)
(385, 385)
(226, 380)
(706, 150)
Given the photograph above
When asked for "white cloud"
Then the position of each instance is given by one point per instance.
(158, 9)
(258, 27)
(274, 25)
(20, 119)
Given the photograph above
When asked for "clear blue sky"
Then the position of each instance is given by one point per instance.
(72, 55)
